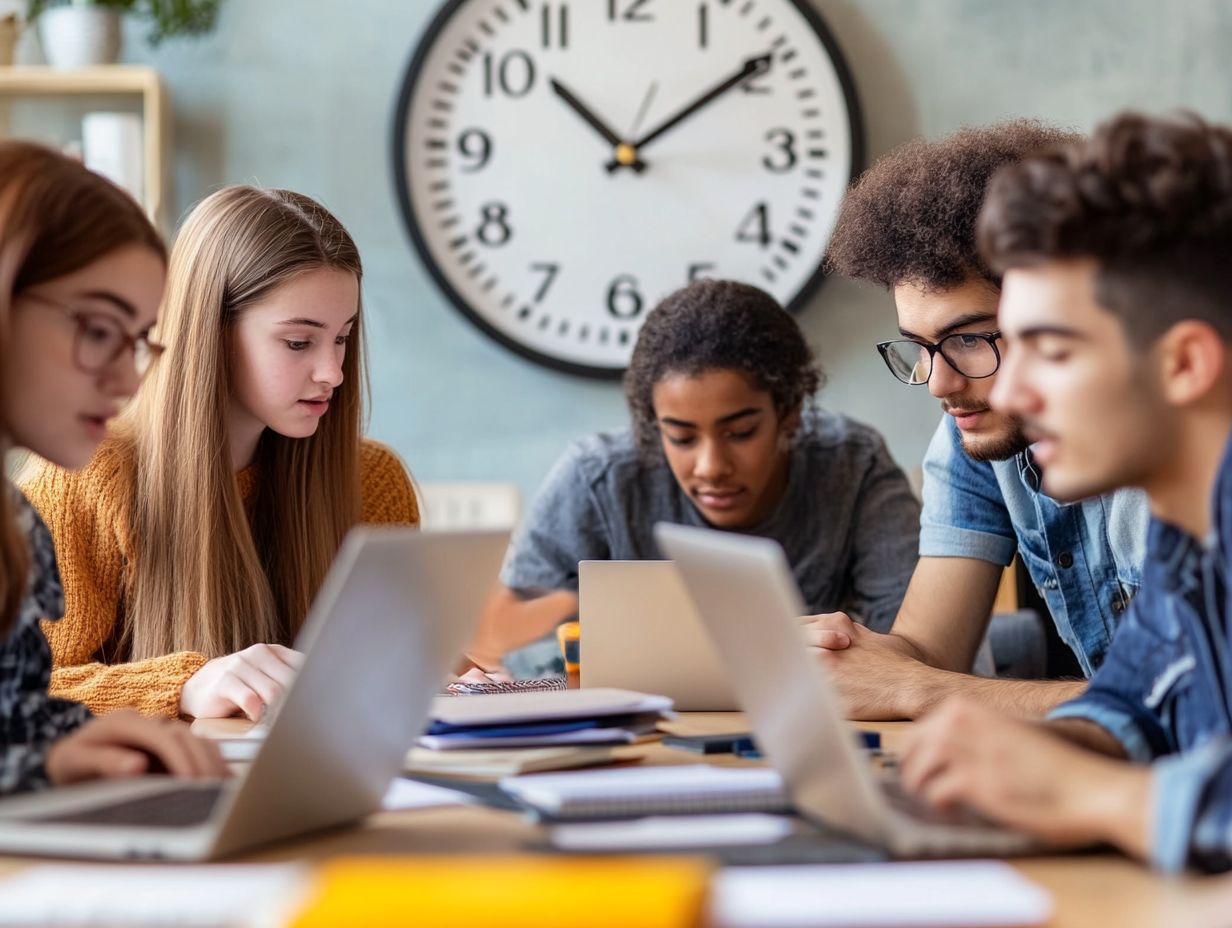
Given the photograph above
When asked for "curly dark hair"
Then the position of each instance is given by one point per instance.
(910, 218)
(719, 325)
(1149, 199)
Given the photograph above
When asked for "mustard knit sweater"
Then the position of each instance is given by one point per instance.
(94, 549)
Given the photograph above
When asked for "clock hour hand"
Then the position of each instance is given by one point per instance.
(620, 148)
(750, 69)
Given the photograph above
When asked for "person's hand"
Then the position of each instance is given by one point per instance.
(877, 675)
(479, 675)
(125, 744)
(1020, 774)
(244, 682)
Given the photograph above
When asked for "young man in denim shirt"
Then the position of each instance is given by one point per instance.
(1117, 308)
(909, 225)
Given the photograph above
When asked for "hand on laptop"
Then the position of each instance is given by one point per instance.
(1018, 773)
(477, 674)
(874, 672)
(241, 683)
(126, 744)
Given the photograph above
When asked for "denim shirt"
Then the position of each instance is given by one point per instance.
(1085, 558)
(1165, 690)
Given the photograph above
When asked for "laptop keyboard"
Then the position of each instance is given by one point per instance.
(177, 808)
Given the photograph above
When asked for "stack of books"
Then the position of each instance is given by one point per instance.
(508, 733)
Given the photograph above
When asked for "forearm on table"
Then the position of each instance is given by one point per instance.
(930, 686)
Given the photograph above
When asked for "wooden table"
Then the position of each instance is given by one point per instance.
(1104, 890)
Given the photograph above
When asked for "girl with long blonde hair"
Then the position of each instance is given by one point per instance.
(81, 274)
(199, 534)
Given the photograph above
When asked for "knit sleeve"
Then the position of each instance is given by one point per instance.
(83, 510)
(152, 687)
(387, 495)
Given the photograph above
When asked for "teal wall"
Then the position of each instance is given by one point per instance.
(298, 93)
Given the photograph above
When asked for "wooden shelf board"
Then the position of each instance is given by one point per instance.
(107, 79)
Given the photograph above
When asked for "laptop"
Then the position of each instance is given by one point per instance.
(749, 602)
(640, 632)
(396, 610)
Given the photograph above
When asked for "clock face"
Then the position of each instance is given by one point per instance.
(563, 166)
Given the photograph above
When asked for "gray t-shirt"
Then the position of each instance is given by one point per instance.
(848, 520)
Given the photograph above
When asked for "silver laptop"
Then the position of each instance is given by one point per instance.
(640, 632)
(394, 613)
(749, 602)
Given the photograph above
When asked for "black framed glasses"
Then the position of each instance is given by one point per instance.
(100, 339)
(973, 354)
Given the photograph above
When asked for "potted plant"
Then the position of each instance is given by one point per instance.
(81, 33)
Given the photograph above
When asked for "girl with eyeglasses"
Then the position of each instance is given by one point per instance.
(194, 542)
(81, 275)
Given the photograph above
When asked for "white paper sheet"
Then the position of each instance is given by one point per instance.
(953, 894)
(411, 794)
(672, 831)
(218, 896)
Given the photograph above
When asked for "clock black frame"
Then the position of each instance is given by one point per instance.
(400, 145)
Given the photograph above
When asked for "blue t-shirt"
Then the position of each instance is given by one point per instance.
(847, 520)
(1085, 558)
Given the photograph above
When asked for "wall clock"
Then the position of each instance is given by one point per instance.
(561, 166)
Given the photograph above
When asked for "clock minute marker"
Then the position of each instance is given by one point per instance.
(764, 24)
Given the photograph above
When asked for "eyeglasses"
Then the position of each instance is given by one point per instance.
(100, 340)
(972, 354)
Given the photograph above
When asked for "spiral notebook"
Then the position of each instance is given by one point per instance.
(637, 791)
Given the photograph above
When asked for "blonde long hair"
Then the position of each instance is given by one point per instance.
(209, 575)
(56, 217)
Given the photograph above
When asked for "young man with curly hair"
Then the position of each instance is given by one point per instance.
(719, 389)
(909, 226)
(1116, 308)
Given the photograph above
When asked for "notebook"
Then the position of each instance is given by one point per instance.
(637, 791)
(963, 894)
(505, 763)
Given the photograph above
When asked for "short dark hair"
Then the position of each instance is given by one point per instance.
(719, 325)
(910, 218)
(1149, 199)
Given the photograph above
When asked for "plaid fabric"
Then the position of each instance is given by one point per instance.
(30, 719)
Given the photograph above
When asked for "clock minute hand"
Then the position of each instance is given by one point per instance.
(588, 117)
(750, 68)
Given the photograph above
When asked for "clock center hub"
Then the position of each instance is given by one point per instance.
(625, 154)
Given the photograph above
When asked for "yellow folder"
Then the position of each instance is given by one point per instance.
(508, 892)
